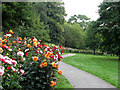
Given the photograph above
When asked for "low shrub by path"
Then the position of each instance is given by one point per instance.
(27, 63)
(105, 67)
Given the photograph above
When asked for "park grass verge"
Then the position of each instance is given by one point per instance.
(62, 82)
(104, 67)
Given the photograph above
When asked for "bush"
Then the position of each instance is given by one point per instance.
(70, 50)
(11, 60)
(29, 64)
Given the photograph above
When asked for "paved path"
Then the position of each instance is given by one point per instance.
(82, 79)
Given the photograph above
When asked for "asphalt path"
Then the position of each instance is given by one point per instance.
(82, 79)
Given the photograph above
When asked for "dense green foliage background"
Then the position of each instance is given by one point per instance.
(43, 19)
(47, 21)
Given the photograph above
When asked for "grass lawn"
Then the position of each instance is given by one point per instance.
(62, 82)
(105, 67)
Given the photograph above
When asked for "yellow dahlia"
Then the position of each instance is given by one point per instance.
(35, 58)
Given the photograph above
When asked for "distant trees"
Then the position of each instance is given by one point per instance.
(73, 35)
(82, 20)
(74, 31)
(93, 39)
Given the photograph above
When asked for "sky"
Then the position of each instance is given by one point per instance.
(83, 7)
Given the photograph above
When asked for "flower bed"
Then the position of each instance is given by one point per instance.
(28, 63)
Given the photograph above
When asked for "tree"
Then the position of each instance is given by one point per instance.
(56, 13)
(42, 19)
(109, 26)
(52, 15)
(82, 20)
(14, 14)
(92, 38)
(73, 35)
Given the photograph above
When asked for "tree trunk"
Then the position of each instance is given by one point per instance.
(102, 52)
(113, 54)
(119, 53)
(94, 51)
(119, 56)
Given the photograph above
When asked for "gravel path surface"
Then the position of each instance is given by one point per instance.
(82, 79)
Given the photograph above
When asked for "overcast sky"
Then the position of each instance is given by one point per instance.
(83, 7)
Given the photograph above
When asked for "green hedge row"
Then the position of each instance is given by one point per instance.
(69, 50)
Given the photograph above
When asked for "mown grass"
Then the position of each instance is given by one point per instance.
(105, 67)
(62, 82)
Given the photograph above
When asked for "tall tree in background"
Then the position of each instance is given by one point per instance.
(52, 15)
(92, 38)
(56, 13)
(82, 20)
(41, 9)
(109, 26)
(73, 35)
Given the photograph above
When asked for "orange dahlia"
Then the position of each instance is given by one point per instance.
(25, 38)
(41, 65)
(5, 40)
(60, 72)
(20, 38)
(44, 60)
(35, 43)
(29, 45)
(57, 66)
(13, 41)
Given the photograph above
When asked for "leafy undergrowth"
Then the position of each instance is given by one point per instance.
(105, 67)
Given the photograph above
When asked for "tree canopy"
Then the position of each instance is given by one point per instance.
(93, 39)
(82, 20)
(42, 19)
(109, 26)
(73, 35)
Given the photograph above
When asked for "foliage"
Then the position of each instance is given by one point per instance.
(71, 50)
(11, 58)
(14, 14)
(73, 35)
(109, 26)
(56, 13)
(82, 20)
(42, 19)
(40, 63)
(92, 38)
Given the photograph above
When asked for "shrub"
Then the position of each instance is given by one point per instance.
(70, 50)
(27, 63)
(11, 61)
(43, 62)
